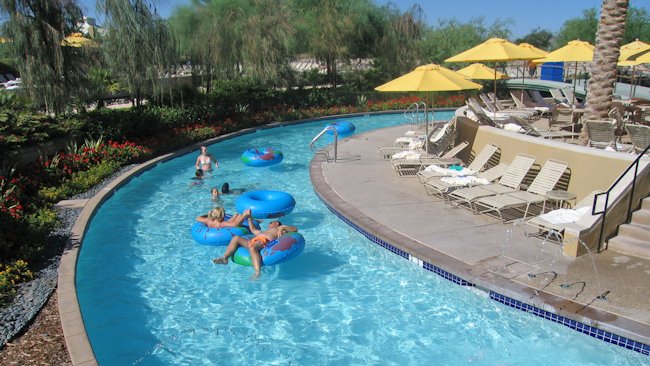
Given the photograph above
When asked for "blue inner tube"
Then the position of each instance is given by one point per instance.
(265, 204)
(279, 250)
(344, 128)
(262, 157)
(205, 235)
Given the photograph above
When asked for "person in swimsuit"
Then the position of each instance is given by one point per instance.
(205, 159)
(214, 192)
(254, 245)
(216, 218)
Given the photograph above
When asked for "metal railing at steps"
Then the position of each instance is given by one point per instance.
(603, 211)
(412, 113)
(324, 151)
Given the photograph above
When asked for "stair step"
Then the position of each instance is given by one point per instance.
(645, 203)
(641, 217)
(633, 247)
(634, 231)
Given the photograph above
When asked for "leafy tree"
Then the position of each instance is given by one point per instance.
(603, 69)
(538, 37)
(51, 74)
(398, 49)
(583, 28)
(637, 25)
(139, 45)
(451, 37)
(229, 38)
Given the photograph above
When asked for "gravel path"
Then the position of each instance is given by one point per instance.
(32, 296)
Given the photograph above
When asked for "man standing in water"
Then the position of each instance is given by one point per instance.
(254, 245)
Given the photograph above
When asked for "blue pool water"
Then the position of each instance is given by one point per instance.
(150, 296)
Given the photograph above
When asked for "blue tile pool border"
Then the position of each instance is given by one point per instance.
(505, 300)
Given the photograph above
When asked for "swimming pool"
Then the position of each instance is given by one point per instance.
(150, 295)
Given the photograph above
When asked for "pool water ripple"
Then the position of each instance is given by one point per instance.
(151, 296)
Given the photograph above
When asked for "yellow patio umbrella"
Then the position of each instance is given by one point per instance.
(532, 48)
(540, 52)
(428, 78)
(78, 40)
(478, 71)
(575, 51)
(632, 49)
(495, 50)
(642, 57)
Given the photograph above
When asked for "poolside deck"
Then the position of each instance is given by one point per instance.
(607, 290)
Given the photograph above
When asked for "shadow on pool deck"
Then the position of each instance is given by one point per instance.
(606, 290)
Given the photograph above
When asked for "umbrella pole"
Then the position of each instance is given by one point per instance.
(632, 84)
(495, 79)
(523, 83)
(575, 78)
(426, 125)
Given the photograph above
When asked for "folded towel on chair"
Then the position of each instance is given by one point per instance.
(564, 216)
(512, 127)
(461, 171)
(464, 181)
(408, 154)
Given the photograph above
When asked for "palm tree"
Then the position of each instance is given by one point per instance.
(609, 37)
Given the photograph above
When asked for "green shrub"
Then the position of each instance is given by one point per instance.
(10, 276)
(54, 194)
(43, 220)
(80, 182)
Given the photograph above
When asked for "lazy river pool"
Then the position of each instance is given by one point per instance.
(150, 295)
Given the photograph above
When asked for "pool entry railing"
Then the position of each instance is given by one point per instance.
(412, 113)
(325, 151)
(631, 203)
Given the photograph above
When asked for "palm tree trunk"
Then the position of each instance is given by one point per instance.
(603, 68)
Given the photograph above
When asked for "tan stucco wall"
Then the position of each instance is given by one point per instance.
(591, 169)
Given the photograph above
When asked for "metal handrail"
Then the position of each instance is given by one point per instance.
(408, 112)
(603, 212)
(336, 141)
(414, 116)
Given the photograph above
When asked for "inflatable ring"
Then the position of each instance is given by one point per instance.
(344, 128)
(279, 250)
(265, 156)
(266, 204)
(205, 235)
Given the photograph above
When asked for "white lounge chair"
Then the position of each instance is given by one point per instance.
(545, 181)
(442, 186)
(528, 129)
(478, 164)
(509, 182)
(551, 225)
(411, 166)
(509, 111)
(437, 132)
(524, 102)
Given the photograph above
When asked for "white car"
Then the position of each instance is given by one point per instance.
(13, 84)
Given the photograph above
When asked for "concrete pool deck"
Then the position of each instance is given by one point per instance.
(606, 290)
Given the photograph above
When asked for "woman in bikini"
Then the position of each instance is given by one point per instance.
(205, 159)
(254, 245)
(216, 218)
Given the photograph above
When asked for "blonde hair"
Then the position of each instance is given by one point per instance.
(217, 214)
